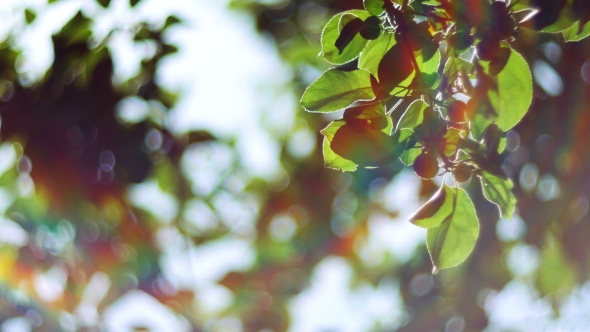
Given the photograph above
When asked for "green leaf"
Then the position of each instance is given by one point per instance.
(452, 241)
(331, 33)
(396, 71)
(374, 113)
(349, 31)
(30, 15)
(133, 2)
(575, 33)
(565, 20)
(456, 67)
(374, 7)
(431, 65)
(331, 159)
(438, 208)
(374, 52)
(413, 116)
(498, 191)
(411, 153)
(337, 89)
(514, 93)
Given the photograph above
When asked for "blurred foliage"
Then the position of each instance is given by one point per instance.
(73, 164)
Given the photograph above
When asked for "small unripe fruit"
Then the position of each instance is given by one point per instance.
(426, 166)
(488, 49)
(457, 111)
(462, 173)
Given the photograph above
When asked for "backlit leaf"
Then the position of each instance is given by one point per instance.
(575, 33)
(498, 191)
(337, 89)
(514, 93)
(374, 7)
(331, 159)
(452, 241)
(413, 116)
(374, 52)
(436, 210)
(331, 33)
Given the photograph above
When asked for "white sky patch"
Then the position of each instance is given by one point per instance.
(50, 284)
(517, 308)
(150, 197)
(12, 233)
(330, 305)
(207, 263)
(398, 236)
(232, 79)
(138, 309)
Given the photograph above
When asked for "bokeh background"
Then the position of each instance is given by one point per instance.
(157, 174)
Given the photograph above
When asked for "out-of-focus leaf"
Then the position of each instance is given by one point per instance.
(104, 3)
(555, 273)
(337, 89)
(30, 15)
(452, 241)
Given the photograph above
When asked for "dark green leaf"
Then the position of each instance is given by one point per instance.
(337, 89)
(104, 3)
(30, 15)
(331, 33)
(498, 191)
(450, 243)
(171, 20)
(133, 2)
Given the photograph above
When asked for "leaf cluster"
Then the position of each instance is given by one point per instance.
(454, 64)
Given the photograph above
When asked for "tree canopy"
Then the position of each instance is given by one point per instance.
(460, 123)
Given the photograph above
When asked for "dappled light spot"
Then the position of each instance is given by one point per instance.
(548, 188)
(529, 174)
(511, 230)
(547, 78)
(579, 208)
(522, 259)
(422, 284)
(282, 228)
